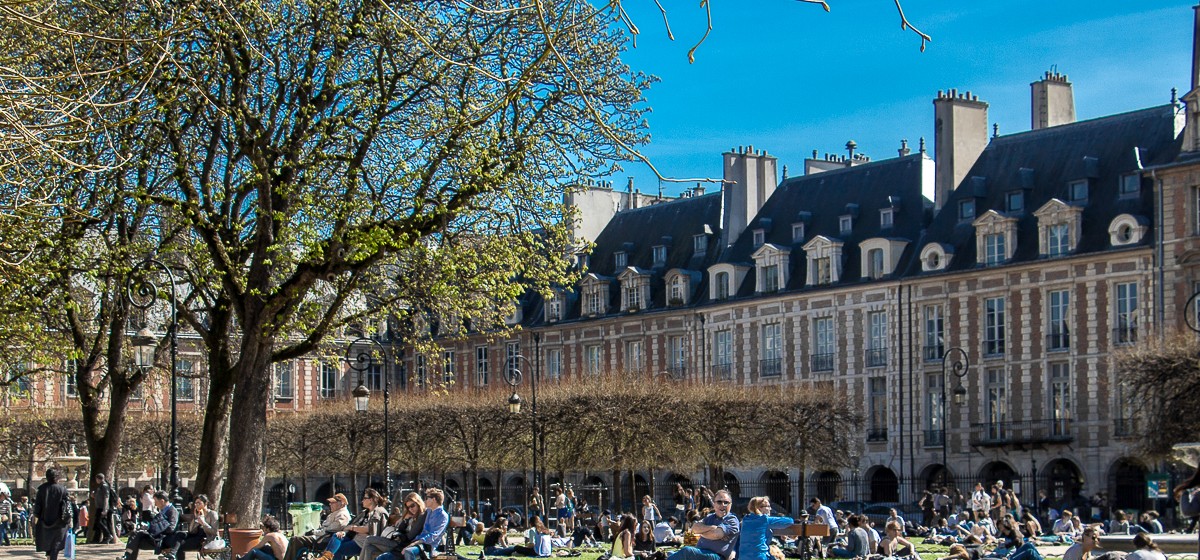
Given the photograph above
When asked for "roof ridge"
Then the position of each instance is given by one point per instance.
(1070, 127)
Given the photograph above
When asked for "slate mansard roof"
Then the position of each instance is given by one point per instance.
(820, 200)
(1041, 164)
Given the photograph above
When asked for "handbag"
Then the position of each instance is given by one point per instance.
(215, 544)
(1189, 502)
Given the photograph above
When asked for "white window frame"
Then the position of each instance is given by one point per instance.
(659, 252)
(481, 365)
(935, 330)
(329, 376)
(699, 244)
(798, 232)
(994, 326)
(1058, 313)
(635, 360)
(554, 364)
(594, 359)
(887, 218)
(1060, 398)
(448, 373)
(994, 248)
(772, 349)
(1126, 316)
(996, 404)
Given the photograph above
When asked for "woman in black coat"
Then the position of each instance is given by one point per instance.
(53, 518)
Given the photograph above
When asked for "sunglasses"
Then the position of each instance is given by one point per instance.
(723, 502)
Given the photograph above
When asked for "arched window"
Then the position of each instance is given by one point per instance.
(722, 285)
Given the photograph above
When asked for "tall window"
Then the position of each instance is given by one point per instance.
(481, 365)
(620, 259)
(1058, 239)
(448, 367)
(722, 285)
(699, 244)
(1060, 398)
(594, 301)
(375, 376)
(935, 425)
(877, 339)
(993, 246)
(594, 360)
(997, 404)
(994, 331)
(186, 373)
(875, 263)
(70, 390)
(554, 364)
(770, 278)
(675, 296)
(933, 333)
(511, 363)
(772, 350)
(329, 381)
(723, 353)
(633, 356)
(1059, 309)
(824, 270)
(660, 255)
(1123, 419)
(877, 402)
(285, 387)
(677, 349)
(554, 308)
(633, 295)
(1127, 304)
(422, 374)
(823, 344)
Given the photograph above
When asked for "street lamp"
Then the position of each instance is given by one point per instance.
(959, 367)
(1190, 314)
(360, 363)
(142, 293)
(512, 376)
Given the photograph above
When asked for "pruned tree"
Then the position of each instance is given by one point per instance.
(1161, 380)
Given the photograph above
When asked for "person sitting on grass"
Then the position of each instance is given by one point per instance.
(664, 532)
(1146, 549)
(272, 545)
(622, 545)
(856, 540)
(717, 532)
(495, 542)
(1064, 528)
(1082, 550)
(643, 542)
(1030, 526)
(894, 543)
(957, 552)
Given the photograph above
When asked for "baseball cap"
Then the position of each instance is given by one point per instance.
(339, 497)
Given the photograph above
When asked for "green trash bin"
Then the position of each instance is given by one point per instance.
(314, 513)
(302, 517)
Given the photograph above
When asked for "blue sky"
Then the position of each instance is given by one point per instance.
(788, 77)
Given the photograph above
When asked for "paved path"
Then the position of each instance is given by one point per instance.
(83, 552)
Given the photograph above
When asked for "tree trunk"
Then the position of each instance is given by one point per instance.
(616, 491)
(214, 449)
(247, 470)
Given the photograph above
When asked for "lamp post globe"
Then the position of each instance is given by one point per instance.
(362, 398)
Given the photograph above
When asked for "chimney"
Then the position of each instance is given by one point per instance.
(1053, 101)
(1191, 139)
(750, 179)
(960, 135)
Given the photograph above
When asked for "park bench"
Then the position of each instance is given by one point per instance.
(1169, 543)
(225, 553)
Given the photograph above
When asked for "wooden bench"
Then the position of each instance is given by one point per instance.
(804, 530)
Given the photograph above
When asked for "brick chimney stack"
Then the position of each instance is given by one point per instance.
(750, 179)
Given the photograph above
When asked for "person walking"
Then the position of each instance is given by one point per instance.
(6, 517)
(52, 516)
(104, 505)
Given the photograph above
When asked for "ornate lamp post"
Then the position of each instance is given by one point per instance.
(143, 293)
(360, 362)
(959, 367)
(512, 376)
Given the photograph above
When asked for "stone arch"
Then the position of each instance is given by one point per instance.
(730, 482)
(778, 487)
(885, 485)
(1064, 479)
(998, 471)
(935, 475)
(1127, 484)
(826, 485)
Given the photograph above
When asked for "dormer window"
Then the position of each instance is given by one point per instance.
(595, 294)
(554, 307)
(620, 259)
(798, 232)
(660, 255)
(699, 244)
(1058, 228)
(722, 285)
(759, 238)
(771, 264)
(1126, 229)
(1130, 185)
(824, 260)
(676, 289)
(635, 289)
(1078, 190)
(966, 209)
(880, 256)
(582, 260)
(995, 238)
(934, 256)
(846, 224)
(1015, 201)
(886, 218)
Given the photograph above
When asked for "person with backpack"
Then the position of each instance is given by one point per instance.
(53, 516)
(104, 504)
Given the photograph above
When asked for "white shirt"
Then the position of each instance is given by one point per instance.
(826, 516)
(663, 532)
(1145, 554)
(981, 501)
(336, 521)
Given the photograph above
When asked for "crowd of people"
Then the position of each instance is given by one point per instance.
(701, 526)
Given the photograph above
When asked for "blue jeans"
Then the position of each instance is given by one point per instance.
(349, 549)
(414, 552)
(693, 553)
(258, 554)
(4, 533)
